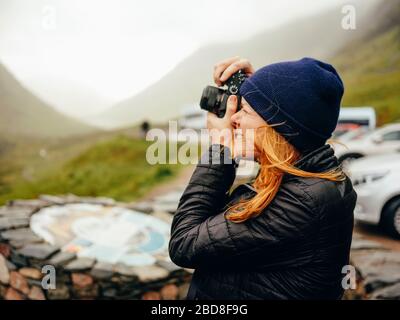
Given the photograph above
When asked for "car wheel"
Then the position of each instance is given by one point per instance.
(391, 218)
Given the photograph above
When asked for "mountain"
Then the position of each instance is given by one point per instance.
(67, 96)
(370, 64)
(23, 114)
(318, 36)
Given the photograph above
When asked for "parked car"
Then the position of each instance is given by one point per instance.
(361, 116)
(383, 140)
(376, 181)
(192, 117)
(353, 134)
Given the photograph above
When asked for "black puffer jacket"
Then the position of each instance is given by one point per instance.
(295, 249)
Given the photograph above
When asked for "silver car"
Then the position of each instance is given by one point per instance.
(383, 140)
(376, 180)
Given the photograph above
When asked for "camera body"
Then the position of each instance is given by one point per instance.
(214, 99)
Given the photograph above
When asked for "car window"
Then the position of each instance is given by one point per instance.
(391, 136)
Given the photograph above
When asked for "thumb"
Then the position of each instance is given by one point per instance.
(231, 106)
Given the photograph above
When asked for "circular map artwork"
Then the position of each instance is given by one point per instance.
(108, 234)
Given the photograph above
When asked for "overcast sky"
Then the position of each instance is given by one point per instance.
(109, 50)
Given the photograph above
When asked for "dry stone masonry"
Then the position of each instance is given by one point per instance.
(25, 252)
(42, 232)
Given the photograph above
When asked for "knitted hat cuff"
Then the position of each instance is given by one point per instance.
(283, 123)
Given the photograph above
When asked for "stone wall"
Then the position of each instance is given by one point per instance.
(23, 255)
(377, 271)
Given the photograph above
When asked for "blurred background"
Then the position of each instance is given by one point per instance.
(82, 82)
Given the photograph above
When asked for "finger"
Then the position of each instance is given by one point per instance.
(231, 106)
(236, 66)
(211, 116)
(221, 66)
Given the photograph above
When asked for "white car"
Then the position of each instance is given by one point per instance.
(376, 181)
(192, 117)
(383, 140)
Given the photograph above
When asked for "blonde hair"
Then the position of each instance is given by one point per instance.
(277, 157)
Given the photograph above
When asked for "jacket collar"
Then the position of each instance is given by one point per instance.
(318, 160)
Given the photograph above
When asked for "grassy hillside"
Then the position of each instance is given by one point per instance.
(22, 113)
(370, 67)
(114, 168)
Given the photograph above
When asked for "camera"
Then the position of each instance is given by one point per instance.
(214, 99)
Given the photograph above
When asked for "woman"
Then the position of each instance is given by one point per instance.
(288, 235)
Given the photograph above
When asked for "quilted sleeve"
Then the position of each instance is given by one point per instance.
(201, 236)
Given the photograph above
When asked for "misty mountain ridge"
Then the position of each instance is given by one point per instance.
(24, 114)
(319, 36)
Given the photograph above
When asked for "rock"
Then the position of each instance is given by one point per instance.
(33, 282)
(170, 197)
(31, 204)
(18, 244)
(388, 293)
(81, 280)
(31, 273)
(145, 207)
(165, 207)
(183, 291)
(61, 292)
(109, 292)
(376, 263)
(5, 250)
(169, 292)
(98, 200)
(38, 251)
(12, 294)
(25, 234)
(36, 293)
(4, 273)
(102, 270)
(12, 222)
(18, 260)
(373, 283)
(167, 202)
(11, 266)
(62, 258)
(52, 200)
(18, 282)
(361, 244)
(171, 267)
(127, 279)
(15, 212)
(151, 295)
(125, 270)
(150, 273)
(3, 290)
(164, 216)
(87, 293)
(80, 264)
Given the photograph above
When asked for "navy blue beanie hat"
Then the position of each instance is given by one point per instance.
(302, 98)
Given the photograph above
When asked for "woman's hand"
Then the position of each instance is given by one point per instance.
(224, 69)
(221, 129)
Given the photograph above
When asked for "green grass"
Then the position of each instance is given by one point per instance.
(371, 74)
(114, 168)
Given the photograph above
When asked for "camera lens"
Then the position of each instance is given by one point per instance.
(211, 99)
